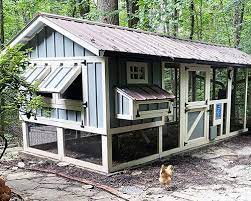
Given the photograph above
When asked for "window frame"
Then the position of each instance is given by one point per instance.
(133, 64)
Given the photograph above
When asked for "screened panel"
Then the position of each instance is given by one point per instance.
(60, 79)
(36, 74)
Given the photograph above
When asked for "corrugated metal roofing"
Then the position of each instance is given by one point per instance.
(146, 92)
(119, 39)
(110, 38)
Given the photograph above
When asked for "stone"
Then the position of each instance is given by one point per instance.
(132, 190)
(62, 164)
(14, 168)
(135, 173)
(87, 186)
(21, 164)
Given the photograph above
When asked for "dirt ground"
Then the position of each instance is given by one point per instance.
(218, 172)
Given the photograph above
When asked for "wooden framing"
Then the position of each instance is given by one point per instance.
(106, 131)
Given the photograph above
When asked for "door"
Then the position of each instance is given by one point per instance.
(196, 87)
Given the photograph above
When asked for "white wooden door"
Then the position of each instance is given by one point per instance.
(196, 87)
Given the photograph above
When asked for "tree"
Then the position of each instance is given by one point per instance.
(109, 11)
(192, 19)
(16, 93)
(239, 9)
(132, 8)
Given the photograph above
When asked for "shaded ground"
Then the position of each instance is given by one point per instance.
(218, 172)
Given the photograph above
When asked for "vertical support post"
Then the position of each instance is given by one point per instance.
(160, 139)
(229, 94)
(246, 100)
(25, 135)
(183, 92)
(107, 152)
(60, 142)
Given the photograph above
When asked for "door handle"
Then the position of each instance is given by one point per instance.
(85, 105)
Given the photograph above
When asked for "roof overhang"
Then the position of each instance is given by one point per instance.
(174, 60)
(37, 25)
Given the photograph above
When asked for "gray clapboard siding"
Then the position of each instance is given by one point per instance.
(118, 77)
(95, 95)
(49, 43)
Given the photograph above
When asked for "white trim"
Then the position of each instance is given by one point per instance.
(25, 135)
(64, 124)
(43, 153)
(125, 129)
(106, 95)
(138, 65)
(134, 162)
(29, 31)
(60, 142)
(229, 96)
(85, 110)
(66, 60)
(84, 164)
(107, 152)
(161, 138)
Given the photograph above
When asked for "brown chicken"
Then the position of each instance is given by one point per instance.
(5, 192)
(165, 175)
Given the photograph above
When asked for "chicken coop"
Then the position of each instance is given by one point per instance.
(118, 97)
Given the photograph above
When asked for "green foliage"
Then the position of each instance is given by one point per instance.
(16, 93)
(213, 18)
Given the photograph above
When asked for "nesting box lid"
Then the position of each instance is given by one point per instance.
(146, 92)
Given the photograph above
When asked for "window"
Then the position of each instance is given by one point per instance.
(60, 79)
(137, 73)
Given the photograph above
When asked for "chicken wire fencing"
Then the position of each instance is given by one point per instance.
(134, 145)
(83, 146)
(42, 137)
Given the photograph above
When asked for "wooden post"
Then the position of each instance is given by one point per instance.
(25, 135)
(229, 97)
(107, 152)
(160, 147)
(60, 142)
(246, 100)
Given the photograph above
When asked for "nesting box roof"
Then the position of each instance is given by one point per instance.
(146, 92)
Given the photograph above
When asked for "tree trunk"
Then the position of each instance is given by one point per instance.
(192, 19)
(109, 11)
(132, 9)
(1, 24)
(176, 19)
(2, 117)
(201, 21)
(239, 9)
(84, 8)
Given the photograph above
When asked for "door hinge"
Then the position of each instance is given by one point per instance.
(85, 105)
(187, 110)
(84, 62)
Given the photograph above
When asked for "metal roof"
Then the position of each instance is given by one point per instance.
(110, 38)
(146, 92)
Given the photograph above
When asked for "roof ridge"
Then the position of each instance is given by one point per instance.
(125, 28)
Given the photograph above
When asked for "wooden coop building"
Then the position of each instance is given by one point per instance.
(119, 97)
